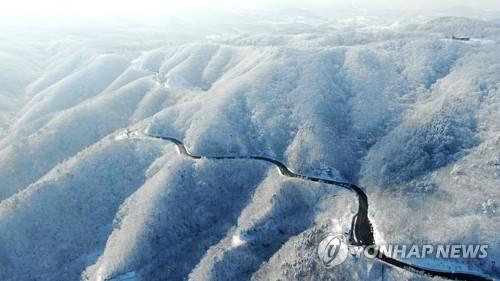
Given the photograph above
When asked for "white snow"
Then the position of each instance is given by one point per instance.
(401, 109)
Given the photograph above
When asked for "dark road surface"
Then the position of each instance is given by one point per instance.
(361, 227)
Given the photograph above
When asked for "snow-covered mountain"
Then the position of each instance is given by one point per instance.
(400, 109)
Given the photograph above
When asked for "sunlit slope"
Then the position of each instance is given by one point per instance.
(407, 113)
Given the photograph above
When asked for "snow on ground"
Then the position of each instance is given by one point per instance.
(405, 112)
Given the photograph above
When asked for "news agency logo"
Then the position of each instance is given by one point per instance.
(333, 250)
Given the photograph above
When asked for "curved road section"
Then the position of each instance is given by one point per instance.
(361, 227)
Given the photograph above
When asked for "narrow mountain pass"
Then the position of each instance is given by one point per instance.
(361, 233)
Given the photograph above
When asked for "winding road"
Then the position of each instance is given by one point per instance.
(361, 227)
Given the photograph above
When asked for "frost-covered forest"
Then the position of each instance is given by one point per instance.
(395, 106)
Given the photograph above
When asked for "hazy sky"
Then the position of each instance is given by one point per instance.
(403, 4)
(138, 8)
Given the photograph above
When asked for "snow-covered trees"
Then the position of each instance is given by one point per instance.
(409, 114)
